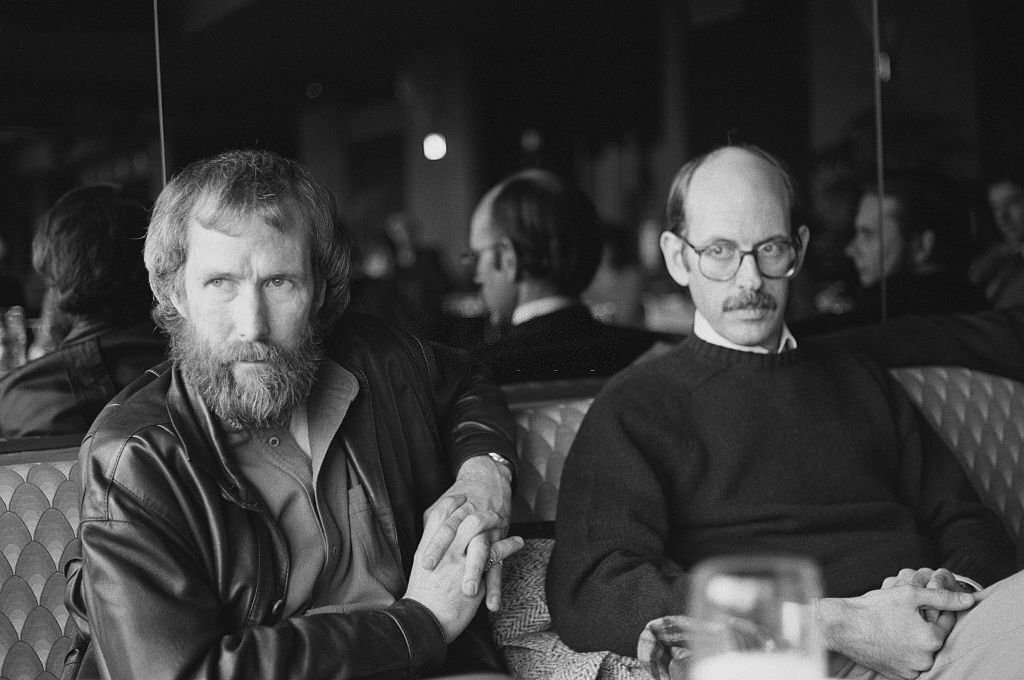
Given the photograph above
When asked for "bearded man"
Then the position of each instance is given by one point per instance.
(295, 493)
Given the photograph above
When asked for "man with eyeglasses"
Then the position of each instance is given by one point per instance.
(740, 441)
(534, 245)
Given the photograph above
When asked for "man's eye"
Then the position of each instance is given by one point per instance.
(771, 248)
(720, 250)
(277, 282)
(216, 283)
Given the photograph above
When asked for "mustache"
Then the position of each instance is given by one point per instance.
(753, 300)
(250, 351)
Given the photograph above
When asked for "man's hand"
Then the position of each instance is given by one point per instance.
(885, 629)
(941, 579)
(478, 504)
(441, 587)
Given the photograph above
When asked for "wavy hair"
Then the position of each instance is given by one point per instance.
(217, 192)
(88, 249)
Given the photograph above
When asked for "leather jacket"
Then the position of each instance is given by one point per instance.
(184, 572)
(63, 391)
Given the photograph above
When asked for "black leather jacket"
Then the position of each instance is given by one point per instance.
(62, 392)
(184, 572)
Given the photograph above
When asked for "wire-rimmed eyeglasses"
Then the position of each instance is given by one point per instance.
(470, 256)
(776, 258)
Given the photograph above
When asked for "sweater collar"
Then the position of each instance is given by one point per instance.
(703, 330)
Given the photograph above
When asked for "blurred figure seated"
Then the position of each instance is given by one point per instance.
(922, 260)
(535, 243)
(89, 251)
(999, 271)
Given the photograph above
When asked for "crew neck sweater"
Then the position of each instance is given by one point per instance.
(708, 451)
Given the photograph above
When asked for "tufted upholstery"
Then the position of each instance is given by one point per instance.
(39, 505)
(981, 417)
(545, 432)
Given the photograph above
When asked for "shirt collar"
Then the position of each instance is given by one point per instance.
(703, 330)
(315, 422)
(540, 307)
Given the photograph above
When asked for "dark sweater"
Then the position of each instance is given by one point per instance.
(707, 451)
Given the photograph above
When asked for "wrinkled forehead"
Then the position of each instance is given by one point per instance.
(213, 211)
(736, 191)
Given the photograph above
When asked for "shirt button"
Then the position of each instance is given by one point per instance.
(274, 441)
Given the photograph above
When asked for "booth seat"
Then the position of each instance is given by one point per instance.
(980, 415)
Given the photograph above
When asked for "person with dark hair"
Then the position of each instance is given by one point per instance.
(1000, 269)
(742, 440)
(535, 243)
(296, 493)
(88, 249)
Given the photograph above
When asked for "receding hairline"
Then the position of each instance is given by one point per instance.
(680, 191)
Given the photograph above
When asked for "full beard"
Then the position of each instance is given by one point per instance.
(264, 399)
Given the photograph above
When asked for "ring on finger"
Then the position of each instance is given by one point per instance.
(491, 563)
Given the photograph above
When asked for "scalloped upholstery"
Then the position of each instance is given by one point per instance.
(39, 505)
(981, 417)
(545, 432)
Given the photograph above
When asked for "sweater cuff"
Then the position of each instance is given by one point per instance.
(424, 637)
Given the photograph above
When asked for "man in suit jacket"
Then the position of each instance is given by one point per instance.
(535, 244)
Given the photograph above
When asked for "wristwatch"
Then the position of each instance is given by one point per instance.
(501, 460)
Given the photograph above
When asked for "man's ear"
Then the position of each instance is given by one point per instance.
(673, 249)
(922, 247)
(176, 298)
(318, 301)
(506, 260)
(804, 234)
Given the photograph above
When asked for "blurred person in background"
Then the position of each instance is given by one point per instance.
(88, 249)
(535, 243)
(919, 249)
(999, 270)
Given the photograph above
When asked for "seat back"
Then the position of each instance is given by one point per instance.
(548, 414)
(40, 496)
(981, 417)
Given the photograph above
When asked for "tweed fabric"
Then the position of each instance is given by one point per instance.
(523, 628)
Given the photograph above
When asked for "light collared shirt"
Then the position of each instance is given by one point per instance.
(341, 558)
(703, 330)
(539, 307)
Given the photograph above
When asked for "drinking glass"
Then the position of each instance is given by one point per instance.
(755, 619)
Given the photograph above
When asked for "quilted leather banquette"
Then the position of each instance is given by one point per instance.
(980, 415)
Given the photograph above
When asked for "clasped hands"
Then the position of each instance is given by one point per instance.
(898, 629)
(464, 541)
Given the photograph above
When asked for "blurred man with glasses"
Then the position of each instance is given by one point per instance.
(740, 441)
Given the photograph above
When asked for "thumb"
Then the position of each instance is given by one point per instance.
(945, 600)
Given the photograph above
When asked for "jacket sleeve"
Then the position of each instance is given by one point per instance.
(148, 588)
(471, 409)
(969, 536)
(609, 574)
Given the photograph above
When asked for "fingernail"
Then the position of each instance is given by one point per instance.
(429, 563)
(472, 589)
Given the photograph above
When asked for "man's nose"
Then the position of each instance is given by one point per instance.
(748, 276)
(851, 249)
(251, 316)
